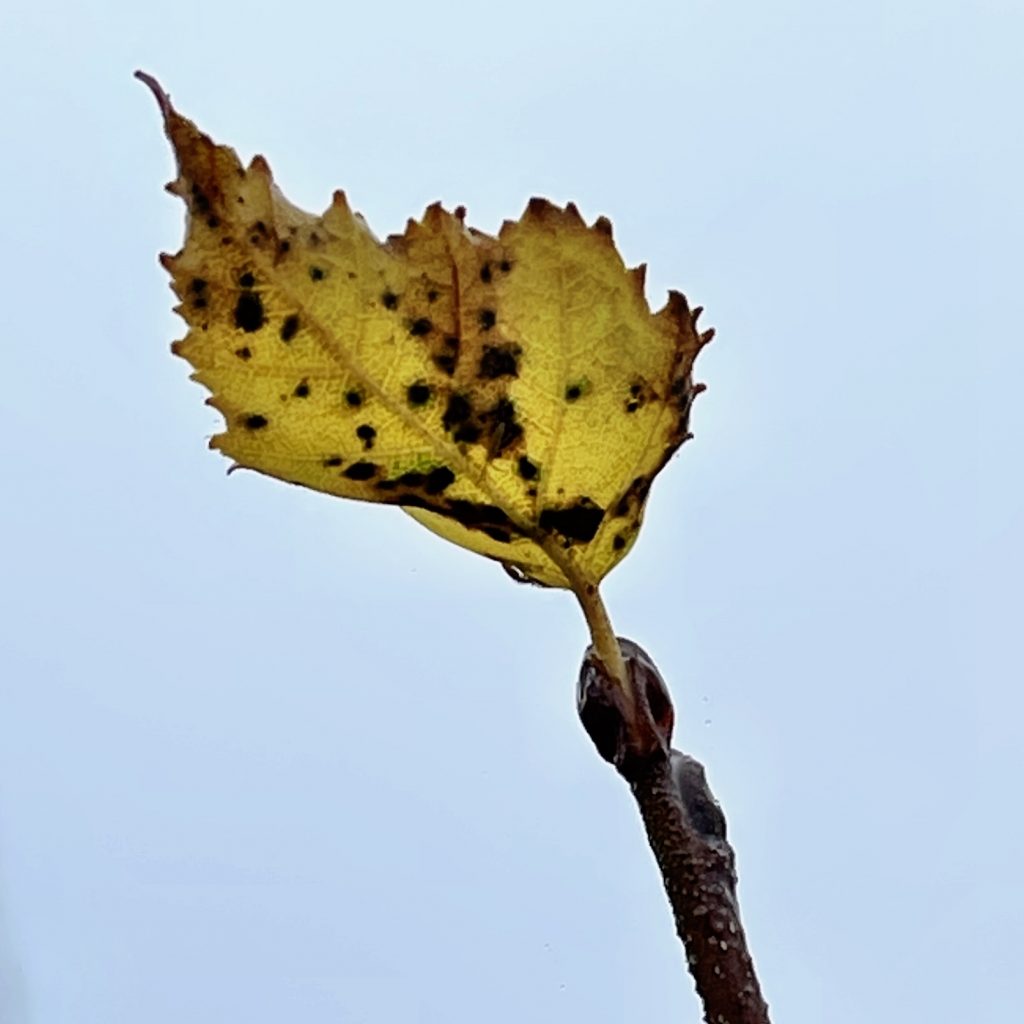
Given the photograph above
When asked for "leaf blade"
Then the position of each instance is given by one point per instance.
(513, 393)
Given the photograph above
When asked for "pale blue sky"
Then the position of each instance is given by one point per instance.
(269, 756)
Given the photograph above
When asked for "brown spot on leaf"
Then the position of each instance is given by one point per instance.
(634, 496)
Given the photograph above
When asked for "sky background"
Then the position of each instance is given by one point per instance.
(270, 756)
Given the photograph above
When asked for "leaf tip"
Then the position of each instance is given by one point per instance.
(603, 226)
(677, 308)
(259, 165)
(433, 216)
(162, 98)
(572, 214)
(538, 208)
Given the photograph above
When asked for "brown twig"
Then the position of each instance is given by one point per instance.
(685, 829)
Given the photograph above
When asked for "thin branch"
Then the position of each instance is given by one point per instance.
(685, 828)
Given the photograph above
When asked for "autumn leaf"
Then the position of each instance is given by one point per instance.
(514, 394)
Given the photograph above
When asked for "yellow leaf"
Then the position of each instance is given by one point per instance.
(514, 394)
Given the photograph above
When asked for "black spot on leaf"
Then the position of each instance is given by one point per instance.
(249, 312)
(449, 358)
(333, 460)
(301, 390)
(366, 434)
(244, 352)
(474, 515)
(577, 522)
(458, 411)
(485, 273)
(290, 327)
(467, 433)
(317, 273)
(247, 280)
(618, 542)
(527, 469)
(504, 430)
(572, 392)
(418, 393)
(420, 327)
(197, 285)
(360, 471)
(254, 421)
(488, 318)
(389, 299)
(495, 533)
(439, 479)
(354, 398)
(500, 361)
